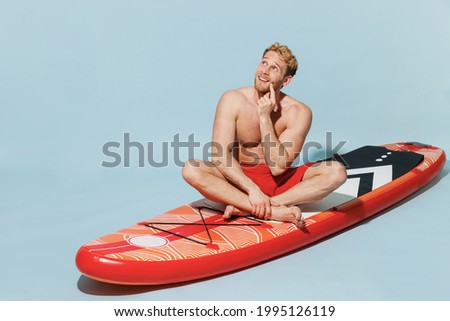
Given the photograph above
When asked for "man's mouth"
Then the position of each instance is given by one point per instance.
(263, 79)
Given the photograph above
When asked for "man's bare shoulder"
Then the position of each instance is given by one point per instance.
(238, 94)
(294, 106)
(233, 100)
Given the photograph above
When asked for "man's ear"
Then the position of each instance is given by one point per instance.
(287, 80)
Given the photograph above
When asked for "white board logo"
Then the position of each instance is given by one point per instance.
(363, 180)
(148, 241)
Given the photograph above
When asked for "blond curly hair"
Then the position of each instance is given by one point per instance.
(286, 54)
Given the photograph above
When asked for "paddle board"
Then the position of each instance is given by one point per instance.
(193, 241)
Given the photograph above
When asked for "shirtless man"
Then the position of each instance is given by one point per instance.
(258, 132)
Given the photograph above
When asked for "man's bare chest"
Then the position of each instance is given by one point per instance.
(248, 127)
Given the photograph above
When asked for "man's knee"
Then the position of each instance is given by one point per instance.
(337, 174)
(192, 172)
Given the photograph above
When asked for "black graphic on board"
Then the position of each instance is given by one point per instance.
(376, 156)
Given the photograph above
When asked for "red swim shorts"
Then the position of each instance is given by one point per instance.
(274, 185)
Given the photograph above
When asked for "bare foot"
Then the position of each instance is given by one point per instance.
(230, 211)
(290, 214)
(281, 213)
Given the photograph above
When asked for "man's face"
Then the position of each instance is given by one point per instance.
(271, 69)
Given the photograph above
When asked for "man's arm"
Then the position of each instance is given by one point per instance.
(224, 132)
(280, 152)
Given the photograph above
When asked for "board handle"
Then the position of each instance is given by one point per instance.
(347, 205)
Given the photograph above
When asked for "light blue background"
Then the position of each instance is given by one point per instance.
(77, 74)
